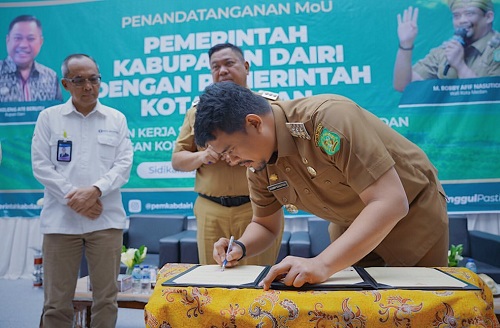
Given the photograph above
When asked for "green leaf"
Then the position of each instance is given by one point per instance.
(455, 250)
(137, 257)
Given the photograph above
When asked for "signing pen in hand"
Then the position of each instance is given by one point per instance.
(229, 247)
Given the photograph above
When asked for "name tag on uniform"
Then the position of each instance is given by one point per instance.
(64, 148)
(277, 186)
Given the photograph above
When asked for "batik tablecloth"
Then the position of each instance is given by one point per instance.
(224, 307)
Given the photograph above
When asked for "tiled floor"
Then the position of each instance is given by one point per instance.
(21, 305)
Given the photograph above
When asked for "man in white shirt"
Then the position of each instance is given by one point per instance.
(82, 201)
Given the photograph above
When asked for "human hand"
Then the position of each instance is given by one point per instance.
(407, 27)
(82, 199)
(232, 161)
(94, 211)
(209, 156)
(296, 271)
(454, 52)
(220, 249)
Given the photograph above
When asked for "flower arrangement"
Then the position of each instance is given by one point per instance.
(133, 256)
(455, 255)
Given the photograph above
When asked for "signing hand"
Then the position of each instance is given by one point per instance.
(407, 27)
(296, 271)
(219, 253)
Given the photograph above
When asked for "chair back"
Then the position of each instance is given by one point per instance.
(459, 234)
(318, 232)
(149, 229)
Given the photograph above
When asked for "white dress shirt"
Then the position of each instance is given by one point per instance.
(101, 156)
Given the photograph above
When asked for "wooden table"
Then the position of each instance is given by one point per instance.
(225, 307)
(82, 302)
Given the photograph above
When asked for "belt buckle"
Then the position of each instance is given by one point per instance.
(225, 201)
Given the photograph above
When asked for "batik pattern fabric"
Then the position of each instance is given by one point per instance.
(224, 307)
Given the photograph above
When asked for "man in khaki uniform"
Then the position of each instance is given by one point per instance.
(223, 206)
(475, 54)
(329, 157)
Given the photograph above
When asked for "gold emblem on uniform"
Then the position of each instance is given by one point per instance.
(496, 55)
(327, 140)
(292, 209)
(311, 171)
(273, 177)
(298, 130)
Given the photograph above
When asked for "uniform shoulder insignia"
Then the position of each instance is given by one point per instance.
(195, 102)
(268, 95)
(298, 130)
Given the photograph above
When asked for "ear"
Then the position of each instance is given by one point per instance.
(64, 84)
(490, 16)
(247, 67)
(253, 121)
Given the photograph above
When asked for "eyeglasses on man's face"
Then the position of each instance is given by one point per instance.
(80, 81)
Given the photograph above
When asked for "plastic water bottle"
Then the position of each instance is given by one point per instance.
(471, 265)
(38, 272)
(136, 279)
(154, 272)
(146, 280)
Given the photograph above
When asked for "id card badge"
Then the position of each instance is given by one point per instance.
(64, 150)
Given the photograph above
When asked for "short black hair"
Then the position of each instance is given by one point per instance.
(221, 46)
(223, 107)
(25, 18)
(64, 66)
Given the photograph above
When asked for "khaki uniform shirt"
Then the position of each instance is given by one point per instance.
(348, 150)
(482, 57)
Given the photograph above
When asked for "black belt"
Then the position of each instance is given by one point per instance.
(228, 201)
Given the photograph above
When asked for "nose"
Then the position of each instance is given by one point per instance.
(233, 158)
(24, 43)
(463, 19)
(87, 84)
(223, 70)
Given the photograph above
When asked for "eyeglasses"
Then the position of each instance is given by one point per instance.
(79, 81)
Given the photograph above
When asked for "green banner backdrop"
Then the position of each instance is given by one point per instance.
(154, 62)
